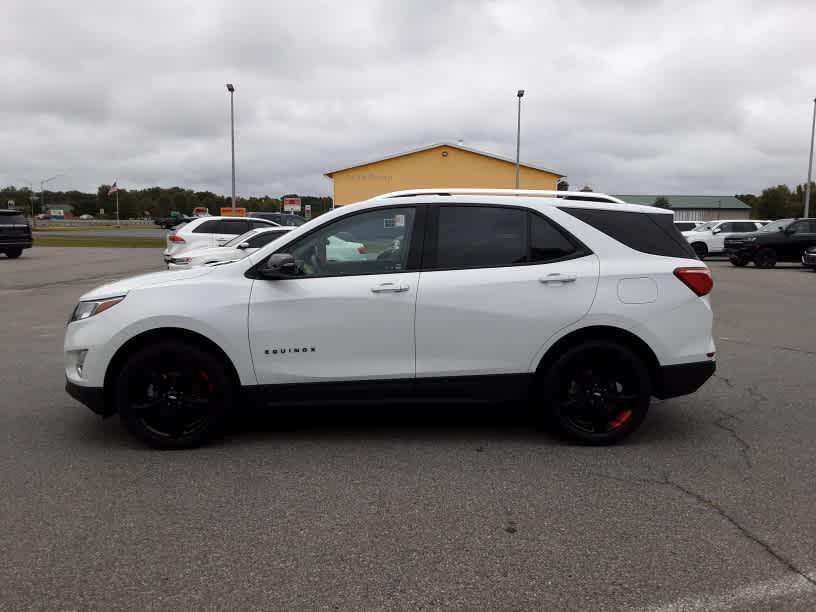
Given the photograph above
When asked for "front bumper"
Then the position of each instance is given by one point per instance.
(92, 397)
(685, 378)
(809, 260)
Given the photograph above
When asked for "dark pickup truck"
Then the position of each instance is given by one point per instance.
(15, 233)
(782, 240)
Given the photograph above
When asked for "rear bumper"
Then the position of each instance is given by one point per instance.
(92, 397)
(22, 243)
(685, 378)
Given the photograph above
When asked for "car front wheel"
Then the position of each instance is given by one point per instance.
(596, 392)
(700, 249)
(174, 395)
(765, 258)
(739, 261)
(13, 253)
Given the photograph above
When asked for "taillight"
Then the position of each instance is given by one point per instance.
(361, 250)
(175, 238)
(697, 279)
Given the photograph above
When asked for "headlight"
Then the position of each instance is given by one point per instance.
(85, 310)
(180, 260)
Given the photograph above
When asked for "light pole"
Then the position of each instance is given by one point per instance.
(231, 90)
(810, 162)
(520, 95)
(42, 191)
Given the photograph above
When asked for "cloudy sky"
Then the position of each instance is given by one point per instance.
(630, 96)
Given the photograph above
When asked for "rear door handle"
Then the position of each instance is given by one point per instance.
(389, 288)
(555, 277)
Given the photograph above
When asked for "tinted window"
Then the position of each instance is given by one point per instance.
(546, 241)
(684, 227)
(800, 227)
(208, 227)
(645, 232)
(480, 237)
(260, 240)
(374, 242)
(745, 226)
(727, 227)
(14, 218)
(258, 224)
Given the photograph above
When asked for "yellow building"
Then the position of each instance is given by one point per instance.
(438, 165)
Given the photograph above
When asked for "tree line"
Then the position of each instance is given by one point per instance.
(779, 202)
(153, 201)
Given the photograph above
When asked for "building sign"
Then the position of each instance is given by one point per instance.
(239, 212)
(291, 205)
(11, 204)
(307, 211)
(56, 212)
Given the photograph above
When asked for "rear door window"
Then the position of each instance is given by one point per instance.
(547, 243)
(12, 219)
(745, 226)
(651, 233)
(208, 227)
(480, 237)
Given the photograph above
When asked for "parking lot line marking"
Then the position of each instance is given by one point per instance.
(746, 597)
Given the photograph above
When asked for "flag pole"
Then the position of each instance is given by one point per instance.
(117, 207)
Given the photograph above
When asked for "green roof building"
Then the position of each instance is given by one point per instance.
(697, 207)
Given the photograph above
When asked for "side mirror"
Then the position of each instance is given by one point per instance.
(243, 245)
(716, 230)
(787, 230)
(278, 267)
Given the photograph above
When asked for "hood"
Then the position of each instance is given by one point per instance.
(121, 287)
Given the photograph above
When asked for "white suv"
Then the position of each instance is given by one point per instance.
(584, 305)
(709, 238)
(208, 232)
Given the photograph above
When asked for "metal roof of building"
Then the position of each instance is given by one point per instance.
(443, 144)
(689, 201)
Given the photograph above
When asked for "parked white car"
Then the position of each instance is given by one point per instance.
(237, 248)
(207, 232)
(709, 238)
(472, 295)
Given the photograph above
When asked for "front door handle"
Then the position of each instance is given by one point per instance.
(555, 277)
(389, 288)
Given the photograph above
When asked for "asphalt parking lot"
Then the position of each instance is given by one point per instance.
(709, 506)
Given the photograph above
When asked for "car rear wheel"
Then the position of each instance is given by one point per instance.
(174, 395)
(13, 253)
(765, 258)
(596, 392)
(700, 249)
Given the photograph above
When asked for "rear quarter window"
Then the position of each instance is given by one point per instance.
(651, 233)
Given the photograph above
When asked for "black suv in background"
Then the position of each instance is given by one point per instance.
(288, 219)
(15, 233)
(782, 240)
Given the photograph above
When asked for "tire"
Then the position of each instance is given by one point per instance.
(765, 258)
(595, 393)
(700, 249)
(13, 253)
(174, 395)
(739, 261)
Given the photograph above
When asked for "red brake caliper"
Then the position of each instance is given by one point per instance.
(206, 379)
(623, 416)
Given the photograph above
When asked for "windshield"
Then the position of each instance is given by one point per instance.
(242, 238)
(705, 227)
(777, 225)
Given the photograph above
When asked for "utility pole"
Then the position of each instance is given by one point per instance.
(231, 90)
(810, 162)
(520, 95)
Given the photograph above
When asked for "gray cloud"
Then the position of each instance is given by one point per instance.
(628, 96)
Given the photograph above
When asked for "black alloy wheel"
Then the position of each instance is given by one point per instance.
(13, 253)
(700, 249)
(765, 258)
(739, 262)
(598, 392)
(173, 395)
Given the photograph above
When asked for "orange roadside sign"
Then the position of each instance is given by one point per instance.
(239, 212)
